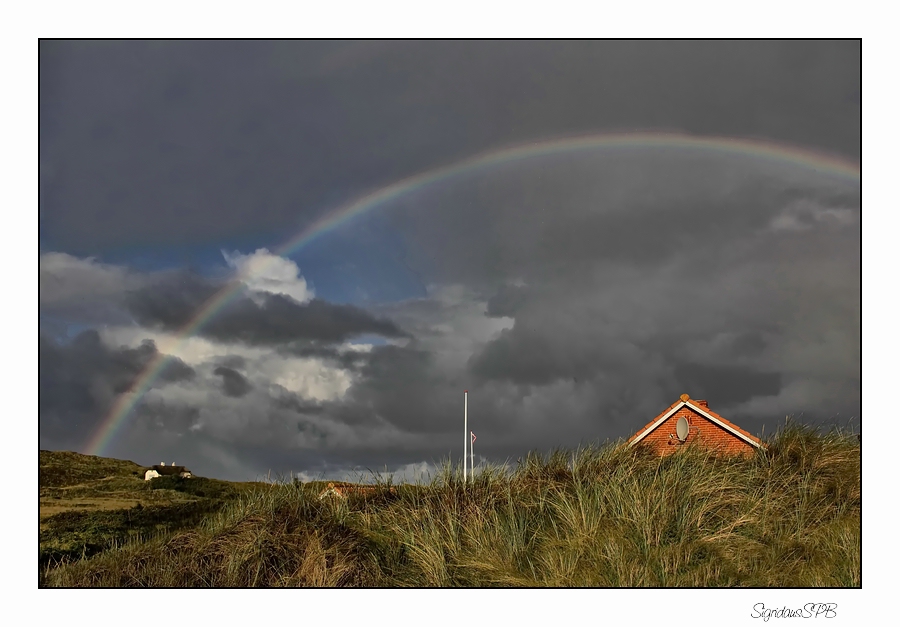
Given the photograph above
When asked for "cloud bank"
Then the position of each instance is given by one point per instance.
(575, 296)
(737, 286)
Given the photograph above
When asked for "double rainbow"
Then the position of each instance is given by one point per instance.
(829, 165)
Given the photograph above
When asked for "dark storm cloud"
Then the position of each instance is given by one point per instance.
(534, 359)
(575, 296)
(280, 319)
(403, 385)
(574, 335)
(164, 417)
(138, 137)
(551, 220)
(233, 361)
(174, 301)
(312, 430)
(757, 312)
(347, 359)
(292, 402)
(644, 276)
(78, 381)
(233, 382)
(728, 384)
(83, 290)
(508, 300)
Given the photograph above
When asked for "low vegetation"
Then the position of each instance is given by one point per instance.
(601, 516)
(91, 504)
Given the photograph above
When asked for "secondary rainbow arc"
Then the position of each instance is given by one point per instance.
(824, 164)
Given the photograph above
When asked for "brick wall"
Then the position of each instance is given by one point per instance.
(702, 432)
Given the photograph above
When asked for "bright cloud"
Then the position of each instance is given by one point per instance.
(262, 271)
(310, 377)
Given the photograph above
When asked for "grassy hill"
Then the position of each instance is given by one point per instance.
(609, 516)
(89, 504)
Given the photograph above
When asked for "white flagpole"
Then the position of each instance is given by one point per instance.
(465, 434)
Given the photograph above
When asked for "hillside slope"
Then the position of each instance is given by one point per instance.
(89, 504)
(609, 517)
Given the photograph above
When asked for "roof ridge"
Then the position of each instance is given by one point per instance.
(686, 400)
(729, 423)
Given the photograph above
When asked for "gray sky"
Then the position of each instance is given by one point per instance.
(575, 296)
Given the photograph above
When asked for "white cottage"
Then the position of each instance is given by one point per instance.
(167, 471)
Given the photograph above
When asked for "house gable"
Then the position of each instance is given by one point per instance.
(705, 426)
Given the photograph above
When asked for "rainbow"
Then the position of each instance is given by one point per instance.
(829, 165)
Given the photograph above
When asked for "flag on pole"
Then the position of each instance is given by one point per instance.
(472, 450)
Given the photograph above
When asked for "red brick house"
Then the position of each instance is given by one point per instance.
(689, 420)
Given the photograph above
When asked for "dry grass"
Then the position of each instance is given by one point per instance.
(606, 516)
(89, 504)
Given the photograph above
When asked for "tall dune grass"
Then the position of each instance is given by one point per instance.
(598, 516)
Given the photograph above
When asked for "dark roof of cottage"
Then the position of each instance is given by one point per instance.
(702, 409)
(169, 470)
